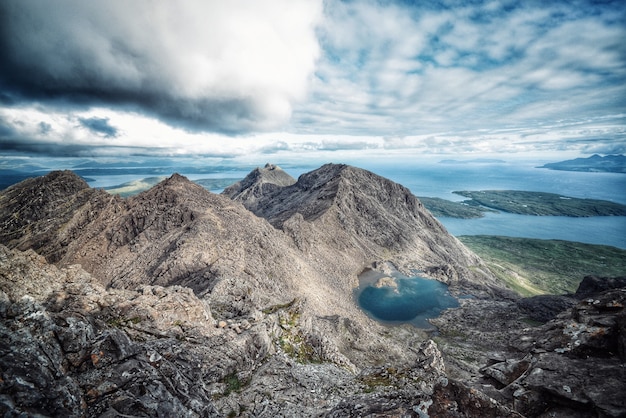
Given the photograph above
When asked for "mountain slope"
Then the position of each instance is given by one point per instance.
(177, 233)
(339, 210)
(33, 212)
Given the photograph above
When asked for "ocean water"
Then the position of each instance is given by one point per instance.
(441, 180)
(414, 300)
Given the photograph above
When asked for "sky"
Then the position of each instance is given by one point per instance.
(241, 78)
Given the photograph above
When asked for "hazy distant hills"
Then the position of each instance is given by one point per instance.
(474, 161)
(595, 163)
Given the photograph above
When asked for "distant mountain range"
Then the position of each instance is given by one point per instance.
(474, 161)
(595, 163)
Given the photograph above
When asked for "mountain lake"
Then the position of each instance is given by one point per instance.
(397, 299)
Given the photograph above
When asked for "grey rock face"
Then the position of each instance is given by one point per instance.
(65, 346)
(345, 210)
(571, 366)
(592, 284)
(543, 308)
(260, 182)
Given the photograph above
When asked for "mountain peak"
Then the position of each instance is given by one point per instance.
(175, 185)
(41, 205)
(361, 213)
(259, 182)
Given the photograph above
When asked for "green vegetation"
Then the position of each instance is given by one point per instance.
(535, 266)
(447, 208)
(275, 308)
(542, 204)
(233, 383)
(293, 341)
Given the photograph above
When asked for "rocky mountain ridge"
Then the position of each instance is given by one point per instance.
(366, 216)
(181, 302)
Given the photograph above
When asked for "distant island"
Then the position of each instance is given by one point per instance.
(134, 187)
(449, 209)
(595, 163)
(542, 204)
(521, 203)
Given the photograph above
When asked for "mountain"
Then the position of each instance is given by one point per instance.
(343, 211)
(595, 163)
(181, 302)
(259, 182)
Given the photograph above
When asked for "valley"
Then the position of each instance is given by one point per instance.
(534, 266)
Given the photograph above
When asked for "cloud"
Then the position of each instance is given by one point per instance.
(308, 77)
(397, 69)
(230, 67)
(99, 126)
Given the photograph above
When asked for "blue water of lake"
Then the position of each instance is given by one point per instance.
(398, 299)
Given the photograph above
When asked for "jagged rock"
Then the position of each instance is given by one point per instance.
(392, 391)
(456, 400)
(580, 384)
(575, 361)
(78, 349)
(507, 371)
(543, 308)
(259, 183)
(34, 211)
(64, 352)
(593, 284)
(177, 233)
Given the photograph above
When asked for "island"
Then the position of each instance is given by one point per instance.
(595, 163)
(541, 203)
(449, 209)
(134, 187)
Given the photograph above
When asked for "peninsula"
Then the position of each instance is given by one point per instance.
(595, 163)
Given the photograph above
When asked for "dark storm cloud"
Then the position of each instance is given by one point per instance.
(21, 146)
(99, 126)
(44, 128)
(194, 63)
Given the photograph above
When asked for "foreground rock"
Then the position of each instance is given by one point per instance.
(572, 366)
(70, 347)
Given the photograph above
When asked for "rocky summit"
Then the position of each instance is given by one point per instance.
(181, 302)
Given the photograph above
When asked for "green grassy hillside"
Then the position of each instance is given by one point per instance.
(535, 266)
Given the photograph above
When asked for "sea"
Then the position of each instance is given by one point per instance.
(442, 179)
(424, 177)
